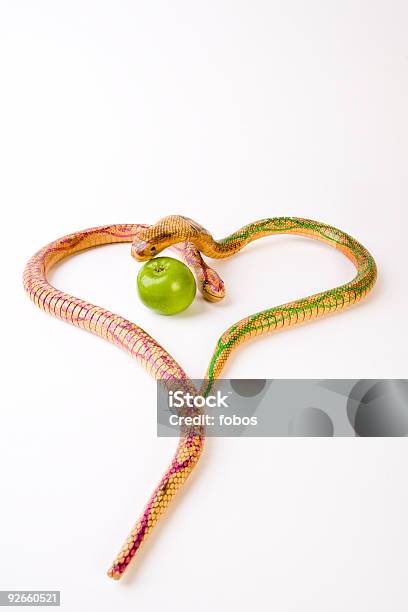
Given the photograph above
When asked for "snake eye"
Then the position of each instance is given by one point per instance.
(153, 249)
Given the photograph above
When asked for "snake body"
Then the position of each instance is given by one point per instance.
(191, 240)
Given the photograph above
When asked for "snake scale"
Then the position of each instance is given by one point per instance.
(190, 240)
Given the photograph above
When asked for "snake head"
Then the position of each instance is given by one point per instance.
(212, 286)
(143, 250)
(149, 242)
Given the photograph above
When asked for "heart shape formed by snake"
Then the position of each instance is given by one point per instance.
(190, 239)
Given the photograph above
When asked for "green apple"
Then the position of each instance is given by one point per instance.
(166, 285)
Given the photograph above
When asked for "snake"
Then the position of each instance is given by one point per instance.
(191, 241)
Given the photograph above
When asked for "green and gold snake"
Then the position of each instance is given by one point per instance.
(192, 241)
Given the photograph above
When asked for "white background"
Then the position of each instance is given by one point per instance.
(226, 111)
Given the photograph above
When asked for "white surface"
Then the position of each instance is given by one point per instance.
(227, 112)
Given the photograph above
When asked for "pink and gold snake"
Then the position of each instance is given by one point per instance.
(190, 240)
